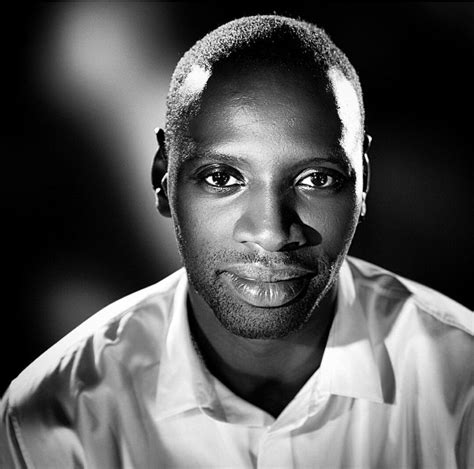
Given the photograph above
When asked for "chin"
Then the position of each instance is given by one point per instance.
(253, 322)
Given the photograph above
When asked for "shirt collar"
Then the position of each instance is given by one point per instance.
(348, 366)
(183, 380)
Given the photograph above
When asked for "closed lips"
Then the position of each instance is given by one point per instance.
(255, 273)
(267, 289)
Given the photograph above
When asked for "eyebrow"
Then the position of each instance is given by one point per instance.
(337, 157)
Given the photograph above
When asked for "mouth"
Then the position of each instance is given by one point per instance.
(267, 288)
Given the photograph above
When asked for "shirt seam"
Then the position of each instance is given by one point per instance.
(392, 292)
(426, 308)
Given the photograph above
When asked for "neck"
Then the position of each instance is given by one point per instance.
(266, 372)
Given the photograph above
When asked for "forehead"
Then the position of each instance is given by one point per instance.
(276, 97)
(250, 111)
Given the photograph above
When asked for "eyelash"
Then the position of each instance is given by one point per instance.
(226, 171)
(338, 179)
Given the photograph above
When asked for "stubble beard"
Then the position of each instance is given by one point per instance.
(243, 319)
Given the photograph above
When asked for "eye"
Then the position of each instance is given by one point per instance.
(321, 179)
(221, 178)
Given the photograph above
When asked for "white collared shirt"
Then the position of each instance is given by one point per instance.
(127, 389)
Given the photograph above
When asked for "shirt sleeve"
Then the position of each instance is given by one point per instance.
(11, 455)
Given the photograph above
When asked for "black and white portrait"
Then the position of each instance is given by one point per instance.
(237, 236)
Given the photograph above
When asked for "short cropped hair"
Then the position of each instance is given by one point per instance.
(250, 42)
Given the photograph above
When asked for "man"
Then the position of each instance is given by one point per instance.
(271, 347)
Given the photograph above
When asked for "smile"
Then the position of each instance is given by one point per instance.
(267, 288)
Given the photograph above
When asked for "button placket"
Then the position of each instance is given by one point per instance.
(275, 451)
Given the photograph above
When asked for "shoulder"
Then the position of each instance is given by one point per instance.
(95, 358)
(427, 336)
(107, 335)
(393, 289)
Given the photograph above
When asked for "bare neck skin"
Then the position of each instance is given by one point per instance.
(266, 373)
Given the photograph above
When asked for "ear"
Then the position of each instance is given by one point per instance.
(366, 173)
(159, 176)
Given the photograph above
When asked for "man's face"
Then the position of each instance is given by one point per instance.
(266, 198)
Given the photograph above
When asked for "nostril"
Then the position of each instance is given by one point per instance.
(291, 246)
(273, 224)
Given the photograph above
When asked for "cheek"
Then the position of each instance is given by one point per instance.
(204, 219)
(335, 219)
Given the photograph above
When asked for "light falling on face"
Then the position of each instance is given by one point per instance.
(266, 200)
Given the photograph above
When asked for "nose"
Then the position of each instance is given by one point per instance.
(271, 222)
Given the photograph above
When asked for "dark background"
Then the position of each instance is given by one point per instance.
(84, 85)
